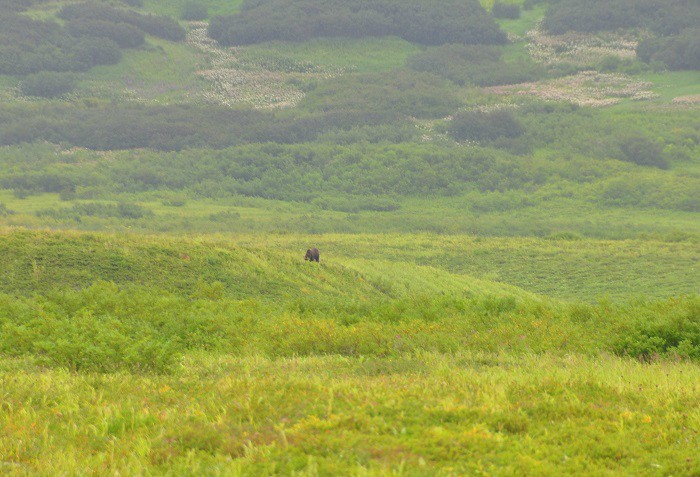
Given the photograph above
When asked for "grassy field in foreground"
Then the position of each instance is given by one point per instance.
(231, 355)
(471, 413)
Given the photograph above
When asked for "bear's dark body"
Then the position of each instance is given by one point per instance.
(312, 255)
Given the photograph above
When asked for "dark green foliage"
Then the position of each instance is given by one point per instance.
(476, 64)
(506, 10)
(193, 10)
(96, 209)
(404, 92)
(48, 84)
(475, 125)
(674, 22)
(16, 5)
(123, 34)
(29, 46)
(162, 27)
(665, 17)
(676, 52)
(664, 330)
(170, 127)
(4, 211)
(642, 150)
(419, 21)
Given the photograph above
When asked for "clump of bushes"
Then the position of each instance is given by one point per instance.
(123, 34)
(194, 11)
(678, 52)
(48, 84)
(476, 125)
(481, 65)
(162, 27)
(674, 332)
(506, 10)
(448, 21)
(643, 151)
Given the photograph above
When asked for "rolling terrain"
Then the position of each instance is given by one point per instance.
(507, 214)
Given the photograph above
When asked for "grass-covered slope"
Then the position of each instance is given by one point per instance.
(132, 354)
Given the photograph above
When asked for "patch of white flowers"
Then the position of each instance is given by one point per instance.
(587, 88)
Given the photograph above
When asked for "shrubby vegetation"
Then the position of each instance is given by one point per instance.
(506, 10)
(123, 34)
(475, 64)
(47, 84)
(194, 10)
(129, 126)
(676, 52)
(429, 23)
(30, 46)
(676, 44)
(399, 92)
(477, 125)
(162, 27)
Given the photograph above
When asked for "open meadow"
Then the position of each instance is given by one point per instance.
(506, 200)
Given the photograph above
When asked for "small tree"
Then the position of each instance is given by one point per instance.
(48, 84)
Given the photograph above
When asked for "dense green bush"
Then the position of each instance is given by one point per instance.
(29, 46)
(475, 125)
(403, 92)
(506, 10)
(123, 34)
(476, 64)
(47, 84)
(642, 150)
(162, 27)
(448, 21)
(171, 127)
(194, 11)
(96, 209)
(676, 52)
(660, 332)
(665, 17)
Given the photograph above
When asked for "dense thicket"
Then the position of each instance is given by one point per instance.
(47, 84)
(506, 10)
(403, 92)
(674, 23)
(30, 46)
(476, 125)
(476, 64)
(677, 52)
(123, 34)
(169, 127)
(419, 21)
(665, 17)
(162, 27)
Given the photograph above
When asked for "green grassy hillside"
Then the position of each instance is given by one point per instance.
(509, 238)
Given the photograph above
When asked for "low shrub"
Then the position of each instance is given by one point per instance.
(506, 10)
(48, 84)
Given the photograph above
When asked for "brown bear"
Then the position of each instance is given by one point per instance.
(312, 255)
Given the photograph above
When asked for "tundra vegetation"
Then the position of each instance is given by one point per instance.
(505, 195)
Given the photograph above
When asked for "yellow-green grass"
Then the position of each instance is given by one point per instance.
(428, 414)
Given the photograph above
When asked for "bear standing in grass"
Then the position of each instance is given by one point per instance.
(312, 255)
